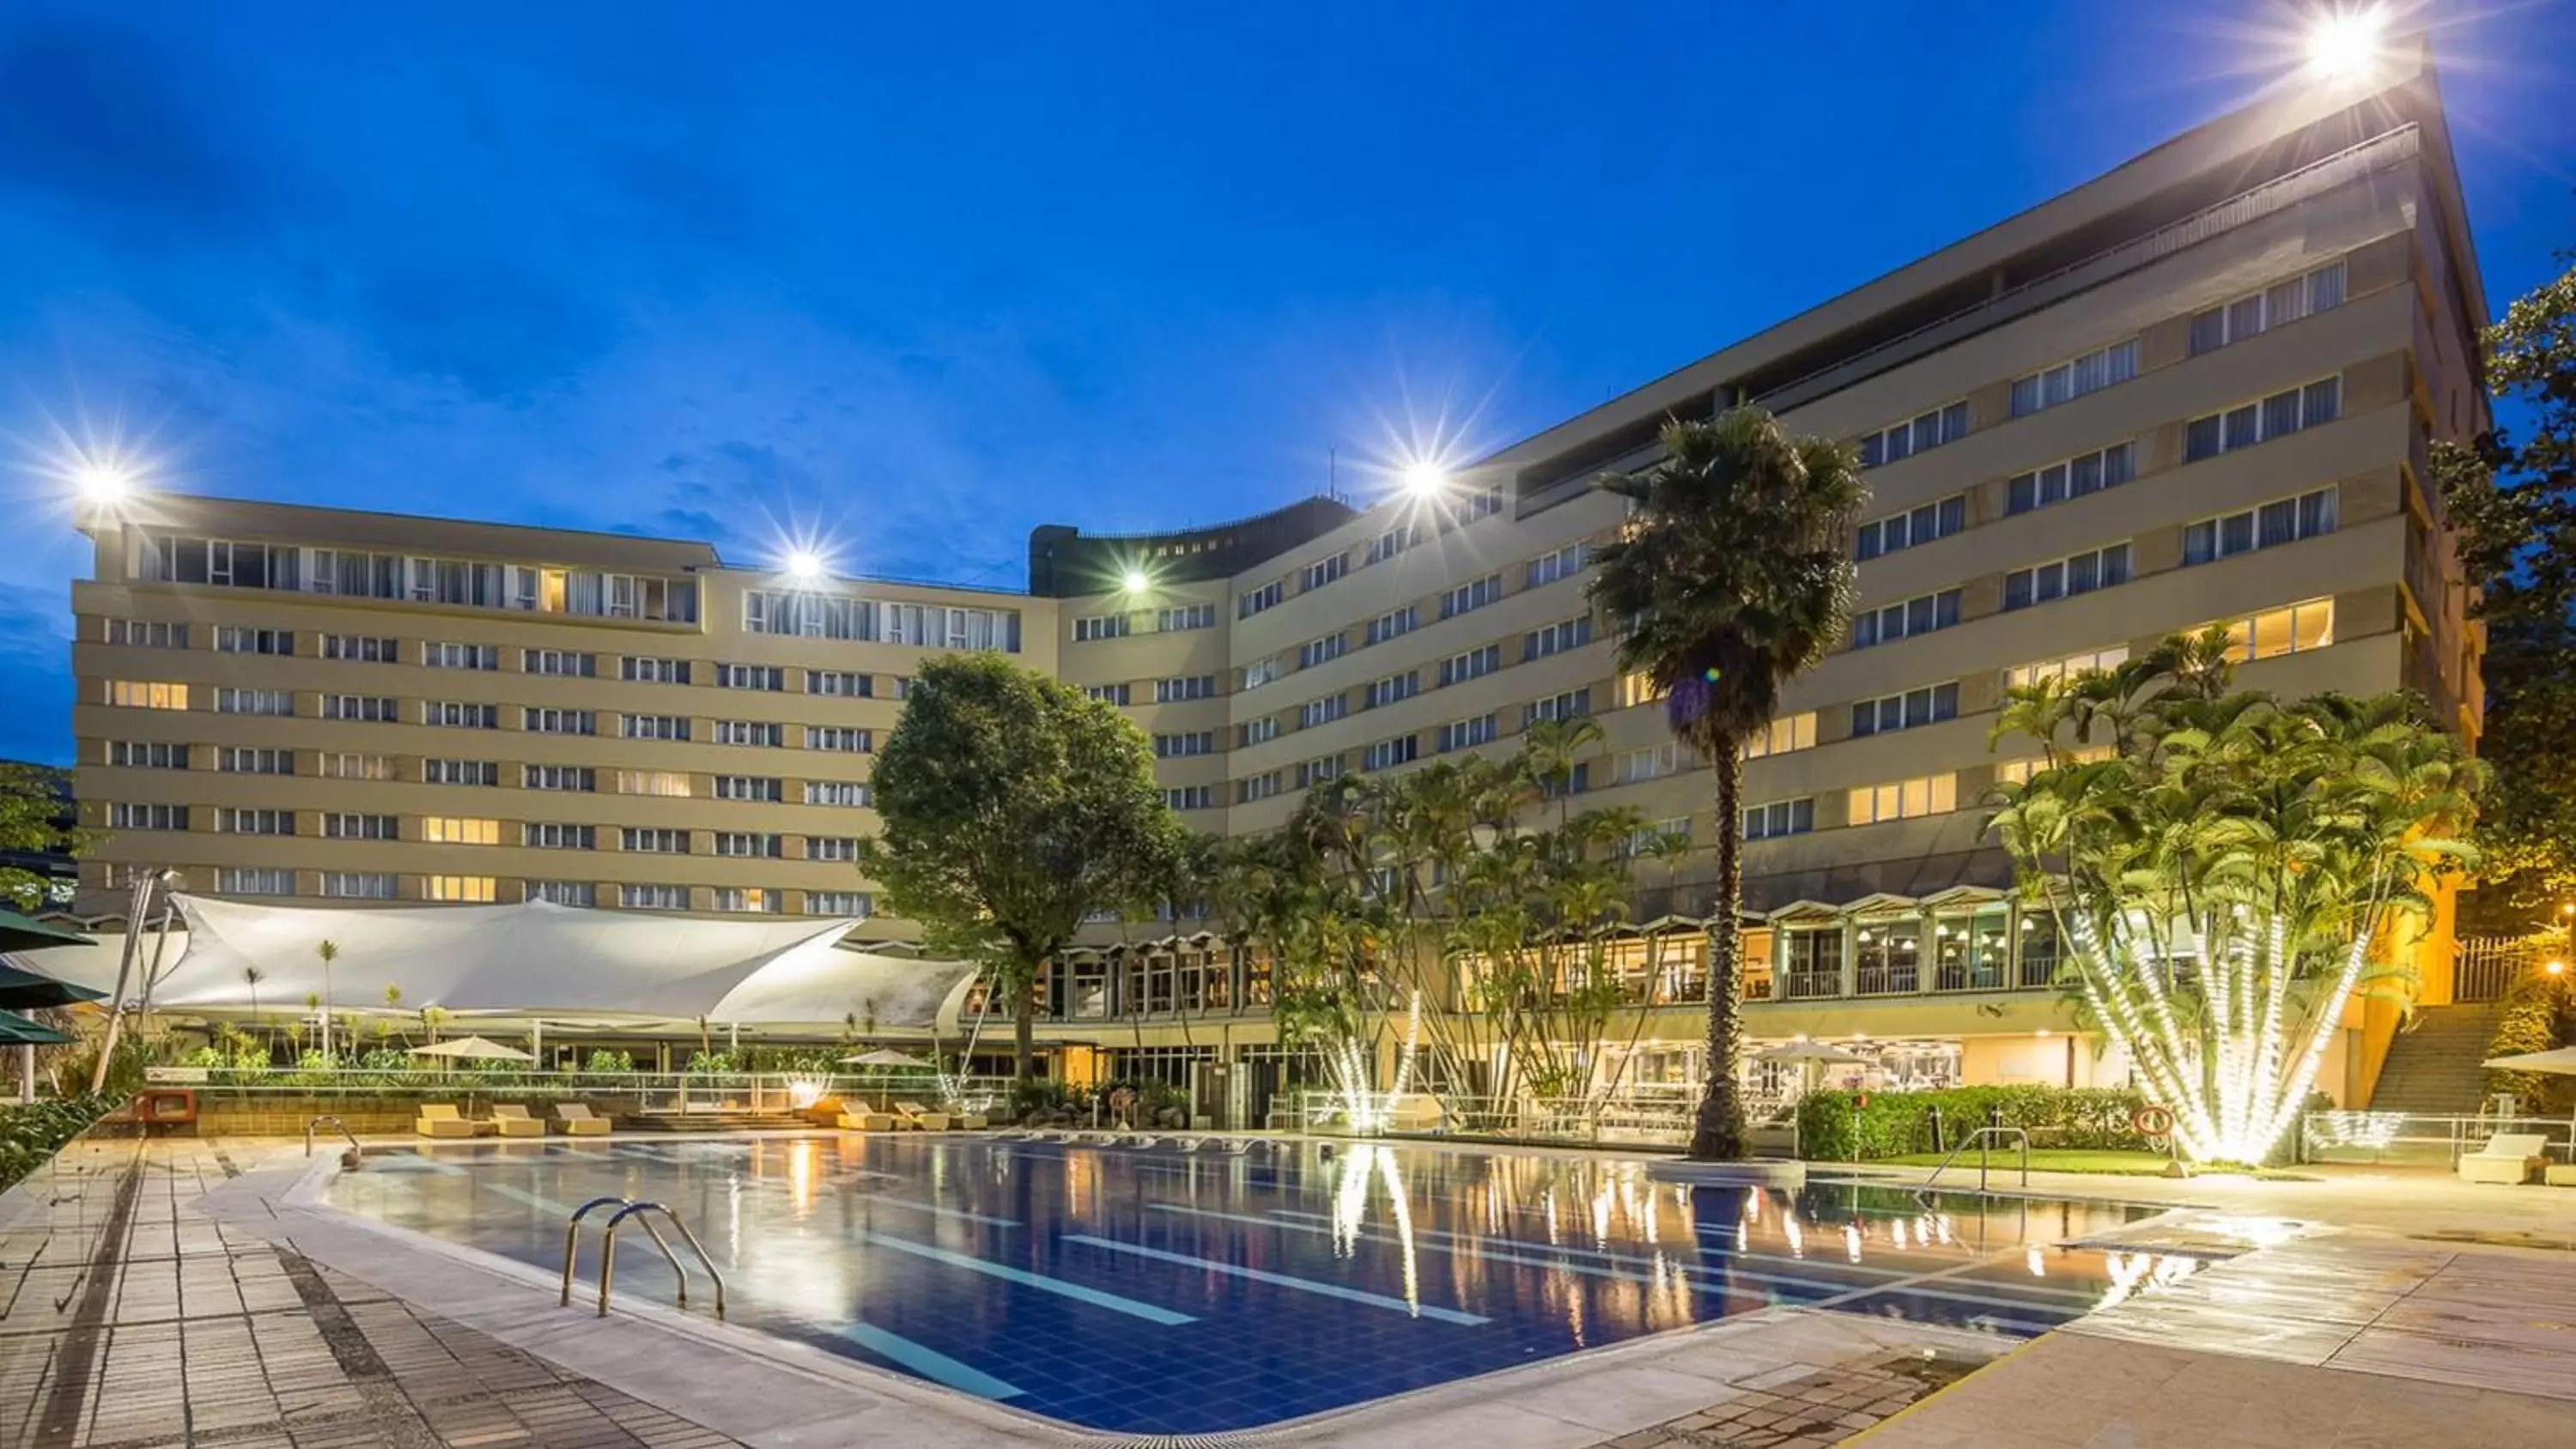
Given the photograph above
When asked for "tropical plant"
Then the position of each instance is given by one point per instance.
(1732, 576)
(1014, 807)
(251, 977)
(329, 951)
(2225, 871)
(35, 821)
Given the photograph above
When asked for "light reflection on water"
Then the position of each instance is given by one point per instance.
(1049, 1277)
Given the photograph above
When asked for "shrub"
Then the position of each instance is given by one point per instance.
(1854, 1126)
(604, 1061)
(2538, 1015)
(31, 1134)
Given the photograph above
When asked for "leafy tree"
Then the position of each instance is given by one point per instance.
(1014, 806)
(2514, 504)
(34, 801)
(2221, 881)
(1733, 576)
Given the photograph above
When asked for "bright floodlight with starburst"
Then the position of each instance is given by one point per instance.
(2344, 41)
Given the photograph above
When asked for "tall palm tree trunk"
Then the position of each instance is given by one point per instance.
(1718, 1134)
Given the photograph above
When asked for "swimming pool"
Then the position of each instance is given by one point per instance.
(1149, 1291)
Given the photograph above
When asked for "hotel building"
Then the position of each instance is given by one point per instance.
(2197, 390)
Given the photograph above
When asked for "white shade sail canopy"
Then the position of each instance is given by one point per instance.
(536, 958)
(2561, 1060)
(474, 1049)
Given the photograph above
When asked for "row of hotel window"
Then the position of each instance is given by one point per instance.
(476, 830)
(444, 654)
(1396, 623)
(367, 885)
(453, 714)
(1540, 643)
(576, 779)
(1466, 508)
(2257, 312)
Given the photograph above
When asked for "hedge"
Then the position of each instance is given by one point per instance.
(32, 1134)
(1855, 1126)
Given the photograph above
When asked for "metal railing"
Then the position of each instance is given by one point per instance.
(343, 1129)
(2420, 1139)
(1983, 1138)
(1631, 1118)
(651, 1092)
(628, 1208)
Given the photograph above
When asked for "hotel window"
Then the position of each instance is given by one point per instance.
(752, 900)
(844, 793)
(2071, 478)
(670, 783)
(1382, 692)
(469, 889)
(2274, 632)
(653, 897)
(1317, 770)
(646, 841)
(1386, 754)
(1905, 799)
(1319, 711)
(560, 722)
(137, 694)
(1474, 664)
(234, 881)
(1394, 541)
(1904, 621)
(1572, 782)
(1099, 626)
(560, 777)
(765, 733)
(1185, 616)
(278, 702)
(1268, 596)
(903, 687)
(561, 835)
(858, 904)
(1260, 672)
(1654, 762)
(360, 885)
(460, 656)
(750, 787)
(1637, 689)
(1324, 570)
(1780, 817)
(1316, 651)
(1468, 733)
(640, 670)
(1572, 704)
(234, 821)
(1257, 787)
(654, 726)
(231, 640)
(2064, 578)
(357, 767)
(566, 662)
(364, 708)
(1556, 638)
(2072, 379)
(1905, 711)
(1192, 742)
(2017, 772)
(844, 848)
(842, 739)
(2275, 306)
(2068, 667)
(1912, 529)
(460, 772)
(1194, 686)
(1565, 563)
(1190, 797)
(459, 830)
(1676, 829)
(843, 683)
(147, 634)
(1466, 598)
(1394, 624)
(761, 845)
(2283, 521)
(2291, 411)
(813, 616)
(750, 676)
(456, 715)
(1787, 733)
(361, 649)
(932, 626)
(1946, 424)
(582, 893)
(123, 816)
(243, 760)
(1106, 693)
(142, 755)
(343, 826)
(1257, 731)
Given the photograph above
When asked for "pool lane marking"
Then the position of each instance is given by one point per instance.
(1026, 1279)
(931, 1207)
(928, 1362)
(1282, 1280)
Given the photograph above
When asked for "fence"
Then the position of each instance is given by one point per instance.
(2486, 967)
(1622, 1119)
(255, 1101)
(2414, 1138)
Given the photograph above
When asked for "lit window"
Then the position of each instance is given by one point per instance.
(1787, 733)
(2293, 630)
(459, 830)
(1905, 799)
(2067, 668)
(477, 889)
(749, 898)
(138, 694)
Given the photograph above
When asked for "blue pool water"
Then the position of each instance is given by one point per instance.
(1155, 1292)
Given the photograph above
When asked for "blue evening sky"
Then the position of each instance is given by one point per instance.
(916, 278)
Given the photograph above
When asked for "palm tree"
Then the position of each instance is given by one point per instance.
(329, 951)
(1733, 576)
(252, 976)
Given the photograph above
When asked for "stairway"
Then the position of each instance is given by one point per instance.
(736, 1121)
(2432, 1068)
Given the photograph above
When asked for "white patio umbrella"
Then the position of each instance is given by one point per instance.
(887, 1057)
(472, 1048)
(2559, 1062)
(1812, 1058)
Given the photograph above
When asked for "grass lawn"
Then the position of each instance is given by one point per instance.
(2048, 1159)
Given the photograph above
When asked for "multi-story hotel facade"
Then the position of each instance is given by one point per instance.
(2199, 390)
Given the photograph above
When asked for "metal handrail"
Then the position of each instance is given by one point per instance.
(572, 1244)
(1979, 1137)
(336, 1122)
(608, 1253)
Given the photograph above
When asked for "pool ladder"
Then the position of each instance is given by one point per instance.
(640, 1211)
(343, 1130)
(1983, 1139)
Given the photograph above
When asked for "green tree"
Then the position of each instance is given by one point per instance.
(1733, 576)
(35, 808)
(1014, 807)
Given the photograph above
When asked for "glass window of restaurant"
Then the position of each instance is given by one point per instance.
(1972, 949)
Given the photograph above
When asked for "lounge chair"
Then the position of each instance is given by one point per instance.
(869, 1119)
(2508, 1157)
(922, 1118)
(441, 1119)
(578, 1121)
(513, 1121)
(970, 1121)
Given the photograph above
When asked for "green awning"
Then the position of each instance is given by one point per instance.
(20, 989)
(16, 1030)
(18, 933)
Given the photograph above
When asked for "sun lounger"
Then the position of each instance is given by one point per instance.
(868, 1119)
(922, 1118)
(2510, 1158)
(513, 1121)
(579, 1121)
(441, 1119)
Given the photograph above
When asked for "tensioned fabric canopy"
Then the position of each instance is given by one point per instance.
(561, 961)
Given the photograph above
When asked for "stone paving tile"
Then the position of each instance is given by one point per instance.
(1814, 1406)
